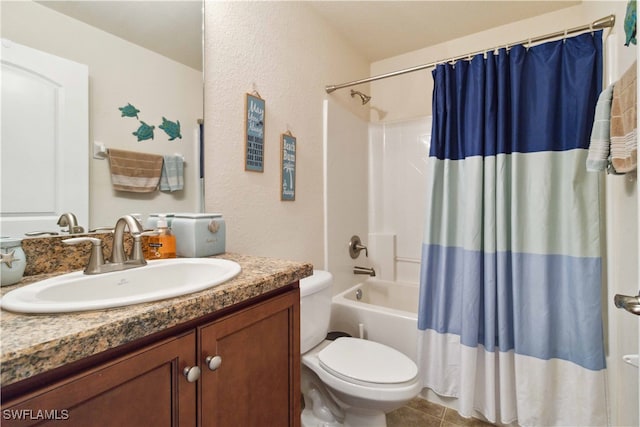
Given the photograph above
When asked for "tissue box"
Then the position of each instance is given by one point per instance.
(198, 234)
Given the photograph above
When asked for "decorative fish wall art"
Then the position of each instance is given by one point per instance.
(145, 131)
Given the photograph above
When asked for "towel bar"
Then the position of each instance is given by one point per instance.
(101, 152)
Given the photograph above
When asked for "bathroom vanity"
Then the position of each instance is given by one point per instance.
(226, 356)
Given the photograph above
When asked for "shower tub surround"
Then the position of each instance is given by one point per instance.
(34, 344)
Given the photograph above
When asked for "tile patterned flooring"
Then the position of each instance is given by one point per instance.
(422, 413)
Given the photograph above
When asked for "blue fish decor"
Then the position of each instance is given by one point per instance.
(144, 131)
(129, 111)
(171, 128)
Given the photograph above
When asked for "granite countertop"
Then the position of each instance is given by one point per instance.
(32, 344)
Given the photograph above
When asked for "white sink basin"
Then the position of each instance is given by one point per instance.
(159, 279)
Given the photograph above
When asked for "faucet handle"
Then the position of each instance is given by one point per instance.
(96, 259)
(40, 233)
(136, 251)
(355, 246)
(102, 229)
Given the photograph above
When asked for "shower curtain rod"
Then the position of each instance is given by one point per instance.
(598, 24)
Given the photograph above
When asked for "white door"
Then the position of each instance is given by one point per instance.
(44, 151)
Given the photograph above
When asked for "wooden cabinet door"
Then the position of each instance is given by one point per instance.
(258, 381)
(144, 388)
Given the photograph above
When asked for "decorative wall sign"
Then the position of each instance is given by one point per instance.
(288, 167)
(254, 133)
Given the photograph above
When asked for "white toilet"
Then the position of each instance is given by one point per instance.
(349, 381)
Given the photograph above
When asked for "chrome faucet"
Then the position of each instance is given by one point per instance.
(364, 270)
(135, 228)
(68, 219)
(119, 260)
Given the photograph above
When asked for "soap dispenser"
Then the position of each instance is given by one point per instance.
(162, 245)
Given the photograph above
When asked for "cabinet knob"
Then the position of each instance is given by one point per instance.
(213, 362)
(191, 373)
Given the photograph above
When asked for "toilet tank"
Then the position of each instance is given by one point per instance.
(315, 309)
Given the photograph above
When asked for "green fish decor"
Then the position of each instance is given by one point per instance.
(171, 128)
(144, 131)
(129, 111)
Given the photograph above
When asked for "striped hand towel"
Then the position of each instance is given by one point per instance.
(134, 172)
(624, 139)
(598, 157)
(172, 178)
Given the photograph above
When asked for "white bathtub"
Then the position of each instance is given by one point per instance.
(386, 310)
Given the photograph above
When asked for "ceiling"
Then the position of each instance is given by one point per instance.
(377, 29)
(382, 29)
(171, 28)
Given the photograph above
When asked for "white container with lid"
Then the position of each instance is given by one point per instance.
(13, 261)
(198, 234)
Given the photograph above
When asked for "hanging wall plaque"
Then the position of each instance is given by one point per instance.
(254, 133)
(288, 167)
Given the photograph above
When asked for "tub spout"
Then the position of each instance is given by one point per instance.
(364, 270)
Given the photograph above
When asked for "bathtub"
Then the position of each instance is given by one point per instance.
(386, 310)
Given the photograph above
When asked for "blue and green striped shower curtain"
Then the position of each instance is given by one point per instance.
(510, 314)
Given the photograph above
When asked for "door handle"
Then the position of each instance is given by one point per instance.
(629, 303)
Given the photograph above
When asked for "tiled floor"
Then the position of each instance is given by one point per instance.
(422, 413)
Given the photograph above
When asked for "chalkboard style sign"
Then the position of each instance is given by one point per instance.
(288, 167)
(254, 133)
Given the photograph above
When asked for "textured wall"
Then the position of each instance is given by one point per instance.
(288, 54)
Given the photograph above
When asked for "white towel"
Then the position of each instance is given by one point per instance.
(598, 157)
(134, 172)
(172, 178)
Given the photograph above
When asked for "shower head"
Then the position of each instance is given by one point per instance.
(363, 97)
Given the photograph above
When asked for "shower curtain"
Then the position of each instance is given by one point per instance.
(510, 287)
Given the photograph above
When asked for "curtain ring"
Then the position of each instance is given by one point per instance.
(529, 44)
(564, 39)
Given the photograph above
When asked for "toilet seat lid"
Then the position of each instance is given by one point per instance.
(359, 360)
